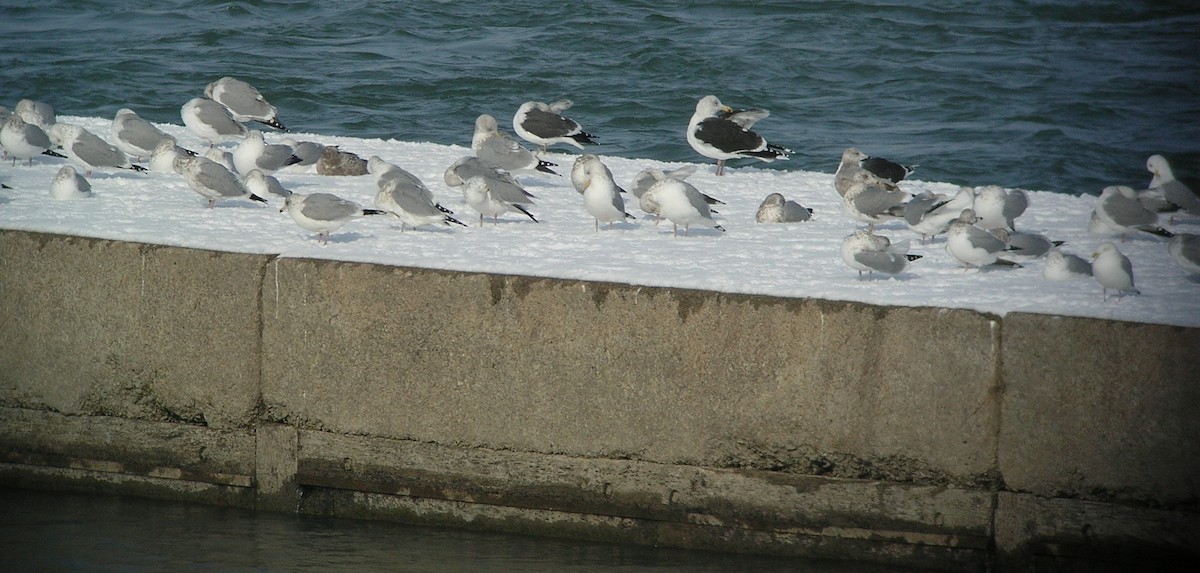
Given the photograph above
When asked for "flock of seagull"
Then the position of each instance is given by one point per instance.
(979, 224)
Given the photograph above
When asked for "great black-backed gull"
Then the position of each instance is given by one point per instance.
(544, 125)
(718, 132)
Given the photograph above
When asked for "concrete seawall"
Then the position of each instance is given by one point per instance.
(939, 438)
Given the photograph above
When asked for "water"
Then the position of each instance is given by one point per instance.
(1048, 95)
(59, 532)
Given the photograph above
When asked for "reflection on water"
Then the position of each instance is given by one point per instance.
(51, 531)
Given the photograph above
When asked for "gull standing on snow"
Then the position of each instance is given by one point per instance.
(1112, 270)
(718, 132)
(255, 153)
(646, 178)
(405, 196)
(1062, 266)
(886, 168)
(1173, 191)
(601, 196)
(1185, 249)
(69, 184)
(411, 202)
(36, 112)
(972, 246)
(849, 169)
(323, 213)
(135, 136)
(211, 121)
(212, 180)
(997, 208)
(775, 209)
(1119, 209)
(221, 157)
(243, 101)
(871, 203)
(681, 203)
(263, 185)
(494, 197)
(87, 150)
(544, 125)
(502, 151)
(867, 252)
(23, 140)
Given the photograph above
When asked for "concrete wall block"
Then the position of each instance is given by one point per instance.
(1101, 410)
(95, 327)
(123, 446)
(602, 370)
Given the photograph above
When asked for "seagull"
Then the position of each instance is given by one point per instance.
(997, 208)
(544, 125)
(867, 252)
(38, 113)
(308, 151)
(681, 203)
(1119, 209)
(1032, 245)
(87, 150)
(646, 178)
(849, 169)
(221, 157)
(1185, 249)
(871, 203)
(493, 197)
(263, 185)
(972, 246)
(503, 151)
(384, 172)
(467, 167)
(69, 184)
(336, 162)
(211, 121)
(1173, 191)
(718, 132)
(135, 136)
(162, 159)
(212, 180)
(23, 140)
(1062, 266)
(323, 213)
(580, 173)
(930, 214)
(886, 168)
(775, 209)
(1112, 270)
(601, 196)
(411, 202)
(243, 101)
(255, 153)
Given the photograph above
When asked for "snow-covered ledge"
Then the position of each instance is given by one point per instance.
(932, 437)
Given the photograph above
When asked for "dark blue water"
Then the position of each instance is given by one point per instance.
(1049, 95)
(60, 532)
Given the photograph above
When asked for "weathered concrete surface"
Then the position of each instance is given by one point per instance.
(589, 498)
(599, 370)
(1101, 410)
(94, 327)
(1045, 534)
(105, 454)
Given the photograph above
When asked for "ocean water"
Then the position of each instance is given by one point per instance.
(1037, 94)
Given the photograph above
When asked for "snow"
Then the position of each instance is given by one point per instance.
(798, 260)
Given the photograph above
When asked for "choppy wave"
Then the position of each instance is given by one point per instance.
(1034, 94)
